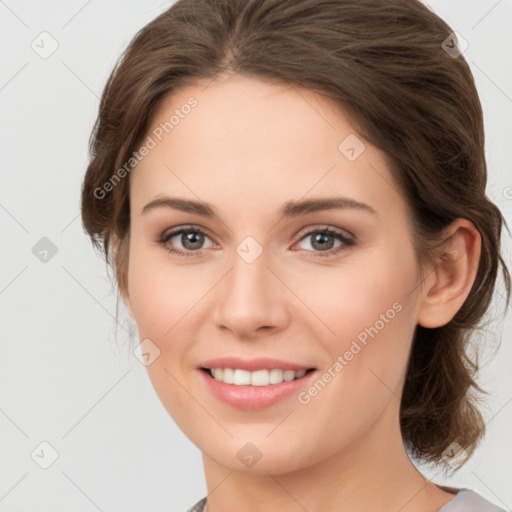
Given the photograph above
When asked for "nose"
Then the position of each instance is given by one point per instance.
(252, 299)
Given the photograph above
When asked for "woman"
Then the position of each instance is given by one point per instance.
(292, 196)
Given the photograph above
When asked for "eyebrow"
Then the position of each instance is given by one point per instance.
(289, 209)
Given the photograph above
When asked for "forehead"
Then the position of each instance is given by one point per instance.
(250, 114)
(246, 139)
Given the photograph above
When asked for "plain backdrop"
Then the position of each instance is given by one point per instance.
(69, 389)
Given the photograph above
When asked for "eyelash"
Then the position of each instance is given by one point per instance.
(346, 242)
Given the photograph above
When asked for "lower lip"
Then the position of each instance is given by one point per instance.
(254, 397)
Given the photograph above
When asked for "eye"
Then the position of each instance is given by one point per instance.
(325, 239)
(191, 239)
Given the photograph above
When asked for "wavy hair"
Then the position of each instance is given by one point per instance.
(385, 64)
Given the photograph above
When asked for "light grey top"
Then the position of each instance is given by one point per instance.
(465, 500)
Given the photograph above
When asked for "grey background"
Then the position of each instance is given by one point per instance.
(65, 377)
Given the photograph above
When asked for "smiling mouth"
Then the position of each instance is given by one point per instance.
(240, 377)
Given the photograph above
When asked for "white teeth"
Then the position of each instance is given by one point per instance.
(227, 375)
(276, 376)
(259, 378)
(240, 377)
(289, 375)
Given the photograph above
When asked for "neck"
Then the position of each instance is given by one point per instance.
(373, 473)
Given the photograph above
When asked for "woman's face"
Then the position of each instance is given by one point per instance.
(262, 279)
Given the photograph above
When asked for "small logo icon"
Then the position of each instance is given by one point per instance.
(351, 147)
(45, 45)
(454, 45)
(44, 250)
(249, 249)
(44, 455)
(249, 454)
(146, 352)
(454, 455)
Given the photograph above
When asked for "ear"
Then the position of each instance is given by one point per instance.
(447, 286)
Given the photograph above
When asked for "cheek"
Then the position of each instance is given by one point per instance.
(161, 299)
(162, 294)
(370, 310)
(373, 321)
(363, 292)
(166, 299)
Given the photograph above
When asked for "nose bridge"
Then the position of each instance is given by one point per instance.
(249, 298)
(249, 280)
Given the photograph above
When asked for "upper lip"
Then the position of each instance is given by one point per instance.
(259, 363)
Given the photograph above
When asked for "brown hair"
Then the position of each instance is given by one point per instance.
(384, 63)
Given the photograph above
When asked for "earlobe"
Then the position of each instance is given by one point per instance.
(447, 286)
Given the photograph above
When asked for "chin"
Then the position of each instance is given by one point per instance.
(259, 454)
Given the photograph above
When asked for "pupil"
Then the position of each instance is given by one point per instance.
(193, 238)
(320, 238)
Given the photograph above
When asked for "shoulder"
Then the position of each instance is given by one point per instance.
(466, 500)
(198, 507)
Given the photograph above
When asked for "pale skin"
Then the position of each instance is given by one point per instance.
(246, 149)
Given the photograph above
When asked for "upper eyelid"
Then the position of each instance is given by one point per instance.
(307, 231)
(324, 227)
